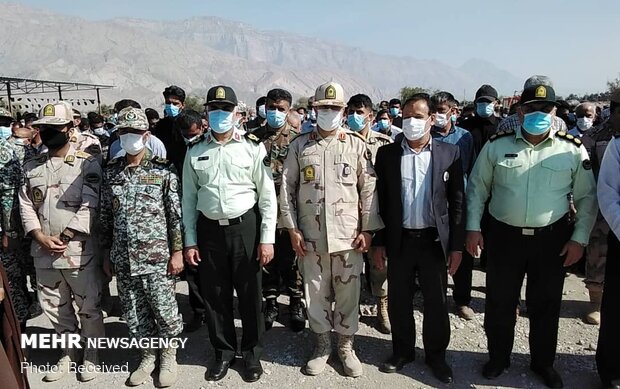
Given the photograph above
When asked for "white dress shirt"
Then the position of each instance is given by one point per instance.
(416, 193)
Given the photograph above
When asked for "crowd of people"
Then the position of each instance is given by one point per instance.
(309, 201)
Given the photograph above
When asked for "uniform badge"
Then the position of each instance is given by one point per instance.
(73, 139)
(446, 176)
(342, 136)
(70, 159)
(174, 185)
(587, 164)
(541, 92)
(346, 171)
(309, 173)
(49, 110)
(116, 204)
(151, 179)
(330, 93)
(220, 93)
(37, 195)
(205, 158)
(5, 156)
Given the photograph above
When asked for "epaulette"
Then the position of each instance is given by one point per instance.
(196, 141)
(569, 137)
(82, 154)
(252, 137)
(501, 134)
(114, 161)
(160, 161)
(381, 135)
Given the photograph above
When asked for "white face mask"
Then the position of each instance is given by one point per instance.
(414, 129)
(132, 143)
(328, 119)
(441, 120)
(100, 131)
(584, 123)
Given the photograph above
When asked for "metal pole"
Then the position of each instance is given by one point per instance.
(8, 95)
(59, 93)
(98, 102)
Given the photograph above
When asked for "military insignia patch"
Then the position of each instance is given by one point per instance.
(151, 179)
(70, 159)
(92, 178)
(37, 195)
(309, 173)
(116, 204)
(541, 92)
(49, 110)
(252, 137)
(174, 185)
(220, 93)
(330, 93)
(73, 139)
(342, 136)
(131, 116)
(5, 155)
(446, 176)
(587, 164)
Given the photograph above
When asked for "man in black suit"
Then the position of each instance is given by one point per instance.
(421, 201)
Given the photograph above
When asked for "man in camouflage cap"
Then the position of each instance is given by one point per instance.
(328, 204)
(58, 205)
(142, 242)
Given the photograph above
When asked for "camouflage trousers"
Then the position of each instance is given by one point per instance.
(596, 256)
(14, 264)
(58, 289)
(378, 279)
(149, 302)
(332, 278)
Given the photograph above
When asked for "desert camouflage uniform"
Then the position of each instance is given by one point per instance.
(12, 258)
(141, 225)
(596, 141)
(328, 193)
(87, 143)
(283, 264)
(378, 278)
(61, 195)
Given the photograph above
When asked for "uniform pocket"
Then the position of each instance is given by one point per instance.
(509, 170)
(346, 220)
(346, 169)
(558, 172)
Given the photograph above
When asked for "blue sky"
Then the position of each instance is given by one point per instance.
(573, 42)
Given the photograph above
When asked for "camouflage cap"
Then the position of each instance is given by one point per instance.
(4, 113)
(330, 93)
(56, 114)
(134, 118)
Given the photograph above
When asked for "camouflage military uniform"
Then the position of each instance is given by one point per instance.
(378, 278)
(87, 143)
(283, 265)
(20, 149)
(62, 194)
(328, 193)
(13, 257)
(141, 225)
(595, 141)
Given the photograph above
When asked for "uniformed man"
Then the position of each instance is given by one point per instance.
(58, 206)
(142, 238)
(359, 120)
(88, 143)
(12, 254)
(229, 201)
(310, 124)
(607, 360)
(328, 204)
(531, 177)
(276, 135)
(98, 128)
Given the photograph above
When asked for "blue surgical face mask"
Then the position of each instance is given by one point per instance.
(356, 122)
(261, 111)
(394, 112)
(5, 132)
(383, 124)
(453, 119)
(220, 121)
(275, 118)
(537, 123)
(485, 110)
(171, 110)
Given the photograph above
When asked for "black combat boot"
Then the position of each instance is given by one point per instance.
(271, 312)
(298, 319)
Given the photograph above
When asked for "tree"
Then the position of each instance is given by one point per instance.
(408, 91)
(613, 85)
(195, 103)
(106, 110)
(301, 102)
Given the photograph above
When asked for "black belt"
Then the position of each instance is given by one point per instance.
(424, 233)
(533, 231)
(229, 222)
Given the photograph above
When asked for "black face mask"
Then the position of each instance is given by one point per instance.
(53, 138)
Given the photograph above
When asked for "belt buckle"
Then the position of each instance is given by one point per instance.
(527, 231)
(223, 222)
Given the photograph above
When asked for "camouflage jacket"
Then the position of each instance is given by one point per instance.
(141, 213)
(87, 143)
(328, 190)
(10, 182)
(276, 143)
(374, 140)
(60, 194)
(20, 149)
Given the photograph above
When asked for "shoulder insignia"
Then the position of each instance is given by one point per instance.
(501, 134)
(252, 137)
(342, 136)
(70, 159)
(161, 161)
(569, 138)
(196, 141)
(82, 154)
(73, 139)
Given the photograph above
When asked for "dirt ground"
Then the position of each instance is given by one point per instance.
(286, 352)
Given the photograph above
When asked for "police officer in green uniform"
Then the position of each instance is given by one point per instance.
(532, 176)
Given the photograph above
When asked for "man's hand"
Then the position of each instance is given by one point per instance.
(175, 265)
(265, 253)
(473, 241)
(192, 255)
(573, 252)
(378, 257)
(454, 261)
(107, 267)
(298, 242)
(50, 243)
(362, 242)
